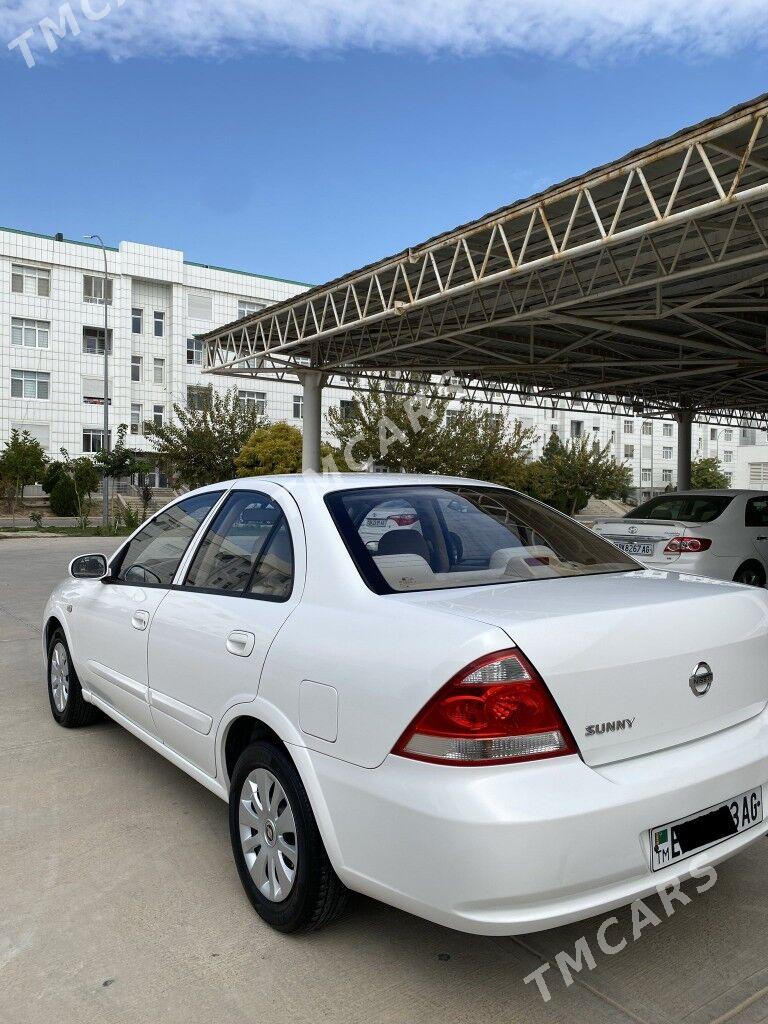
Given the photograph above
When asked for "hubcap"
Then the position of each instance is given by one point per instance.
(268, 835)
(60, 677)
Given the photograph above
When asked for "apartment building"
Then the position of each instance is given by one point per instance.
(52, 345)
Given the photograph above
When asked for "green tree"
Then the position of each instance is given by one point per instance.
(120, 461)
(85, 480)
(21, 463)
(201, 445)
(414, 432)
(53, 473)
(706, 474)
(274, 448)
(568, 475)
(63, 496)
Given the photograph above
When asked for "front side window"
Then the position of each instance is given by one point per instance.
(153, 556)
(30, 384)
(757, 512)
(436, 538)
(93, 290)
(30, 333)
(247, 550)
(702, 508)
(30, 280)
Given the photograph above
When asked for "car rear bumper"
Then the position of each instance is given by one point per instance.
(519, 848)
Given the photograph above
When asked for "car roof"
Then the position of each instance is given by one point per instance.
(324, 483)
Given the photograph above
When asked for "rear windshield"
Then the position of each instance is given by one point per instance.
(435, 538)
(690, 508)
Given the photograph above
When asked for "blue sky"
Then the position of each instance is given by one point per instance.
(306, 163)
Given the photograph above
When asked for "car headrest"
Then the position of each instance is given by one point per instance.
(403, 542)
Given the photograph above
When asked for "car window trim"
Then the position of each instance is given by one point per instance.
(183, 585)
(116, 562)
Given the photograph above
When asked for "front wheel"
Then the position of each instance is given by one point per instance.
(276, 844)
(751, 574)
(68, 707)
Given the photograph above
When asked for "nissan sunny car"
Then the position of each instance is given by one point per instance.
(490, 717)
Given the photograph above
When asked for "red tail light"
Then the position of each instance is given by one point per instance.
(494, 711)
(687, 546)
(406, 519)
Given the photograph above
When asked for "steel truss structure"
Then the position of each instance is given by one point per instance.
(640, 285)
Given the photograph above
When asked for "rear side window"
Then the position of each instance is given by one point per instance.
(757, 512)
(686, 508)
(247, 550)
(153, 556)
(435, 538)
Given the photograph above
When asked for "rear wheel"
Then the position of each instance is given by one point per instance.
(277, 847)
(68, 707)
(751, 573)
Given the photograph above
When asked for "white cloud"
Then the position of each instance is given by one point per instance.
(581, 30)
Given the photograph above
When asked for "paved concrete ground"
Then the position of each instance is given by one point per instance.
(119, 901)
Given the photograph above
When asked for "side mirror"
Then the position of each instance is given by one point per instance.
(89, 567)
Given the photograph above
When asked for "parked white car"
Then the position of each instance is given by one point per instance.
(500, 736)
(723, 534)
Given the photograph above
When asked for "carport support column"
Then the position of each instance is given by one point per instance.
(684, 448)
(312, 382)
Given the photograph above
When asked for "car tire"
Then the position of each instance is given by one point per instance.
(751, 574)
(68, 706)
(276, 843)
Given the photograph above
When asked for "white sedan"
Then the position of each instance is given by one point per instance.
(718, 533)
(503, 735)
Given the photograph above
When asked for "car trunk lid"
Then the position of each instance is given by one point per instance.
(618, 651)
(645, 539)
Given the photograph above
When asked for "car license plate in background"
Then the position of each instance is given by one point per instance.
(632, 547)
(375, 522)
(680, 839)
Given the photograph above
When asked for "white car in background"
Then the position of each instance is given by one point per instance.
(717, 533)
(502, 735)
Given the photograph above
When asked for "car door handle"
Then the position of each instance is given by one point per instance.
(140, 619)
(241, 644)
(762, 538)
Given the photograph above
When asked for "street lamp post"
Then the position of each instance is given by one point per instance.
(105, 438)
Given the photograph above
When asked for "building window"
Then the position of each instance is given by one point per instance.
(135, 418)
(137, 320)
(727, 435)
(727, 456)
(758, 473)
(195, 349)
(666, 476)
(41, 432)
(629, 451)
(648, 428)
(93, 391)
(629, 426)
(93, 341)
(93, 290)
(135, 369)
(577, 428)
(198, 398)
(93, 440)
(247, 306)
(553, 428)
(647, 476)
(158, 415)
(30, 384)
(347, 409)
(668, 430)
(30, 333)
(666, 454)
(199, 307)
(30, 280)
(159, 371)
(298, 407)
(258, 399)
(159, 324)
(728, 478)
(613, 437)
(713, 433)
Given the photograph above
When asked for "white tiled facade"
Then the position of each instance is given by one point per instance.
(152, 284)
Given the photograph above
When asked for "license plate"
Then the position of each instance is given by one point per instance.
(677, 840)
(375, 522)
(632, 547)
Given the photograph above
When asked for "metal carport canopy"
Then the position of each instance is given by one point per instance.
(637, 287)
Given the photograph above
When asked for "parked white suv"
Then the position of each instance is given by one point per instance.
(499, 722)
(723, 534)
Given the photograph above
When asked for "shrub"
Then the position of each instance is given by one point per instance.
(63, 500)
